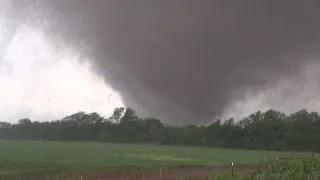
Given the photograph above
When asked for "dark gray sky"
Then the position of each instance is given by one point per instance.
(184, 60)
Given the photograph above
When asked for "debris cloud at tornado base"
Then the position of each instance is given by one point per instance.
(187, 61)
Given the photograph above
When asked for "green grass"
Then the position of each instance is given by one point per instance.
(19, 157)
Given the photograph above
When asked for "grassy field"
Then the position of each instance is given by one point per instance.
(36, 157)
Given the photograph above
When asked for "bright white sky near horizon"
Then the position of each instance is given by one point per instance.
(38, 83)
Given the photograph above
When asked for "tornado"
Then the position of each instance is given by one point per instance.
(186, 61)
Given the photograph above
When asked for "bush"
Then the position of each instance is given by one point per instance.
(292, 169)
(307, 168)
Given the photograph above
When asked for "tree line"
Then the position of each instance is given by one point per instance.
(270, 130)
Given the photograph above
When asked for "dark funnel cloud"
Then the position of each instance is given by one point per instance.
(184, 61)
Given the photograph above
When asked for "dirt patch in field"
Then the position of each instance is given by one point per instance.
(174, 173)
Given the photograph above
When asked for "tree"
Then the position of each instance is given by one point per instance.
(117, 114)
(25, 121)
(270, 130)
(4, 125)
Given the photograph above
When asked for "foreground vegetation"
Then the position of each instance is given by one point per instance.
(271, 130)
(307, 168)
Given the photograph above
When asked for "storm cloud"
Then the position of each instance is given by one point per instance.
(183, 60)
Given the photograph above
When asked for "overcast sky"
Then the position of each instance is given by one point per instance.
(41, 84)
